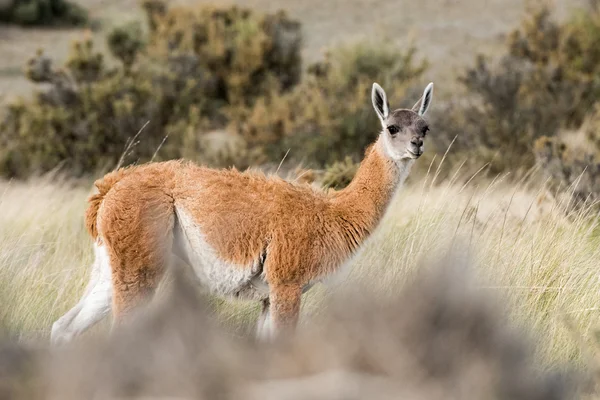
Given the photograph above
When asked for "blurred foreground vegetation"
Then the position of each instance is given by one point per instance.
(452, 341)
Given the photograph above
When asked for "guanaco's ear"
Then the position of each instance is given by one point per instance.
(380, 103)
(424, 102)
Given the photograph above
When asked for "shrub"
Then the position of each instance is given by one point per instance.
(339, 174)
(125, 42)
(571, 157)
(572, 160)
(194, 70)
(83, 120)
(242, 54)
(544, 83)
(221, 148)
(228, 71)
(329, 115)
(43, 12)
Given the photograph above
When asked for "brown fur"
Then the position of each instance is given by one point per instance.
(103, 185)
(135, 221)
(307, 234)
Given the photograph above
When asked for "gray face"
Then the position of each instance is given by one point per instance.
(404, 132)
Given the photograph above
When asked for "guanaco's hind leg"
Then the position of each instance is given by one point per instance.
(264, 323)
(93, 306)
(136, 222)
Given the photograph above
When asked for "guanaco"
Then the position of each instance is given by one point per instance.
(245, 234)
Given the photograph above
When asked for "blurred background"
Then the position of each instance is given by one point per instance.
(258, 82)
(511, 169)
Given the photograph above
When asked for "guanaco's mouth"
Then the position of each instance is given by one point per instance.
(413, 154)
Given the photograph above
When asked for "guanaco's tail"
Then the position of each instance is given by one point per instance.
(103, 185)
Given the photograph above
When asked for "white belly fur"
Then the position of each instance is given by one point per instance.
(220, 277)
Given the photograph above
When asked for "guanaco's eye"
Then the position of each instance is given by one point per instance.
(393, 129)
(425, 130)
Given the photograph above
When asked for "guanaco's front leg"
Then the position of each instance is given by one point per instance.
(284, 307)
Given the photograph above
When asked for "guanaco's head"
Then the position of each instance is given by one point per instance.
(403, 129)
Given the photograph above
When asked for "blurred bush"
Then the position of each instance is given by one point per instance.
(572, 160)
(546, 81)
(438, 336)
(43, 12)
(240, 55)
(329, 116)
(339, 174)
(227, 71)
(125, 42)
(571, 157)
(83, 120)
(196, 67)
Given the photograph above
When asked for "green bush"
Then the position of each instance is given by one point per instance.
(43, 12)
(329, 115)
(216, 85)
(572, 160)
(189, 76)
(545, 82)
(125, 43)
(571, 157)
(241, 54)
(339, 174)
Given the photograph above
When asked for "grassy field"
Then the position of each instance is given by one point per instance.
(530, 250)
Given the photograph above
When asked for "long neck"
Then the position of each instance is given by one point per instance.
(362, 204)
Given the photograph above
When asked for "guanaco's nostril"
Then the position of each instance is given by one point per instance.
(417, 141)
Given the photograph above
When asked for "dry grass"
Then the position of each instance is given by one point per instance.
(541, 263)
(538, 261)
(44, 252)
(438, 338)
